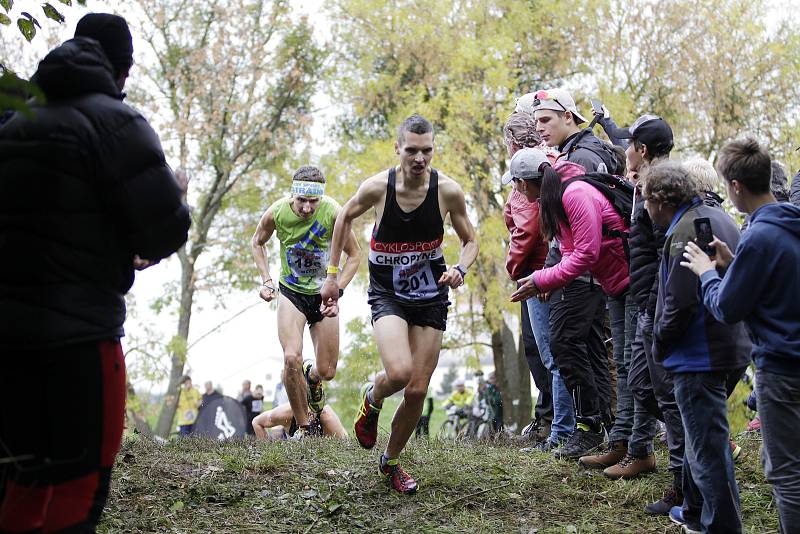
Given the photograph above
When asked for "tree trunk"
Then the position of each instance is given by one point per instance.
(178, 350)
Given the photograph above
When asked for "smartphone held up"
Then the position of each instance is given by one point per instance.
(704, 235)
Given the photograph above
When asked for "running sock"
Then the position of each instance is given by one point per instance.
(308, 376)
(370, 398)
(385, 460)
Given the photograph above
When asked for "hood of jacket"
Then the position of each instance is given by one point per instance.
(76, 68)
(781, 214)
(568, 170)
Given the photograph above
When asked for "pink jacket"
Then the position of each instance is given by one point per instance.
(583, 246)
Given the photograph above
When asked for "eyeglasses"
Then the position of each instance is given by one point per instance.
(544, 95)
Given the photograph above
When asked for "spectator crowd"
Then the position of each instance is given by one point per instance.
(647, 288)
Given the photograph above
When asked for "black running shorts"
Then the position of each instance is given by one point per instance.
(433, 315)
(308, 305)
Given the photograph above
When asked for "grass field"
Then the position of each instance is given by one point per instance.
(333, 486)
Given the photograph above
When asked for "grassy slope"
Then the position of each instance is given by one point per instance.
(203, 486)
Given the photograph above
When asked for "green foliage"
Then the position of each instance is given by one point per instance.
(460, 64)
(28, 23)
(724, 74)
(178, 347)
(14, 92)
(356, 364)
(52, 13)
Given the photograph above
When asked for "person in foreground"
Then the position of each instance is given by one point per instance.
(705, 356)
(86, 198)
(281, 419)
(760, 287)
(303, 222)
(586, 223)
(408, 283)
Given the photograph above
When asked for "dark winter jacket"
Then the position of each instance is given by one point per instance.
(686, 338)
(609, 126)
(645, 244)
(761, 288)
(794, 192)
(83, 188)
(585, 149)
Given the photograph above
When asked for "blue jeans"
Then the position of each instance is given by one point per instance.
(563, 407)
(652, 388)
(621, 314)
(779, 409)
(711, 496)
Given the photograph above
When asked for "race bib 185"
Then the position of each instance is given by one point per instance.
(303, 262)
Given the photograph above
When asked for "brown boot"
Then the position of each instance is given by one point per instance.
(611, 455)
(631, 467)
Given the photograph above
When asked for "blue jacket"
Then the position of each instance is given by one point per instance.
(762, 287)
(686, 337)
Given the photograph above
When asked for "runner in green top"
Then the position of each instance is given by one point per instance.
(304, 225)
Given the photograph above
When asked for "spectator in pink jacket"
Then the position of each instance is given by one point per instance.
(578, 218)
(581, 217)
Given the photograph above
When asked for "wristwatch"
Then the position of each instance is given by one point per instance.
(460, 269)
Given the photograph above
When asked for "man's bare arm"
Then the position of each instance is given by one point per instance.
(457, 207)
(330, 308)
(264, 231)
(350, 268)
(367, 196)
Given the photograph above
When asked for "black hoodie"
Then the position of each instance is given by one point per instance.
(84, 186)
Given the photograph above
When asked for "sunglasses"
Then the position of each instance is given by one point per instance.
(544, 95)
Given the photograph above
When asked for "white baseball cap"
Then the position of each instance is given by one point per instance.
(557, 100)
(525, 104)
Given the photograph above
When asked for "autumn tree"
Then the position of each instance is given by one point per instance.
(460, 64)
(715, 70)
(229, 87)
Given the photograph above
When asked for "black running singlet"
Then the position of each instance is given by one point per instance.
(405, 253)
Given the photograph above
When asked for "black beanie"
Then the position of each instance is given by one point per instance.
(113, 34)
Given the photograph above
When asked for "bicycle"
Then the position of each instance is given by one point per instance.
(479, 425)
(453, 427)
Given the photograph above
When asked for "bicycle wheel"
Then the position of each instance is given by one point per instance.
(447, 430)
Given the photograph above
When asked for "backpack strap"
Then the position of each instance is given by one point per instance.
(617, 234)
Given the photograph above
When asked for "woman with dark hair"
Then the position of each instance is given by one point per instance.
(527, 253)
(582, 218)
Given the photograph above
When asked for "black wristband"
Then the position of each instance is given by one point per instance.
(341, 292)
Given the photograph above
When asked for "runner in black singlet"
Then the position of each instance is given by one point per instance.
(409, 283)
(406, 260)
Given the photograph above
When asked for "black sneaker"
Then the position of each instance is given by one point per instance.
(672, 497)
(581, 443)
